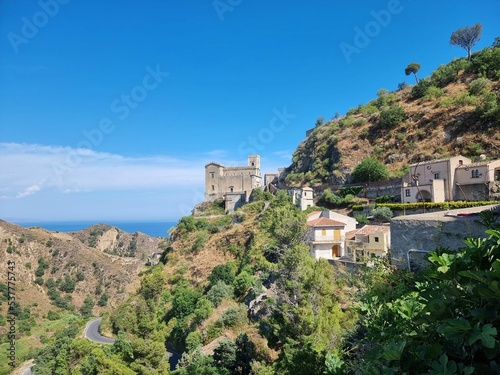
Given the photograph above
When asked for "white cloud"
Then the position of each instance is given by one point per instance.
(28, 191)
(72, 170)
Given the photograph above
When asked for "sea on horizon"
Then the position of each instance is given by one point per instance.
(151, 228)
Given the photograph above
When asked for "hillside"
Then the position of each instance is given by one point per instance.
(55, 272)
(454, 111)
(95, 261)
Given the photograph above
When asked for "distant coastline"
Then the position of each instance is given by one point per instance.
(151, 228)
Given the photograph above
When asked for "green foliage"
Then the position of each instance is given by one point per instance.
(103, 300)
(193, 340)
(87, 307)
(203, 309)
(362, 219)
(184, 301)
(430, 205)
(420, 89)
(219, 292)
(225, 355)
(392, 116)
(444, 75)
(369, 169)
(234, 316)
(222, 272)
(443, 321)
(486, 63)
(196, 363)
(68, 285)
(242, 283)
(201, 239)
(467, 37)
(383, 214)
(479, 85)
(152, 284)
(412, 68)
(52, 315)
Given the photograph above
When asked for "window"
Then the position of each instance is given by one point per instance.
(407, 193)
(213, 187)
(376, 239)
(212, 174)
(231, 188)
(475, 173)
(323, 232)
(436, 176)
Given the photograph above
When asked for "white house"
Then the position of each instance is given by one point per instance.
(327, 233)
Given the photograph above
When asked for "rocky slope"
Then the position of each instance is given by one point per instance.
(100, 262)
(454, 111)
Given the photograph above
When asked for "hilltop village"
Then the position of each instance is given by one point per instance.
(338, 237)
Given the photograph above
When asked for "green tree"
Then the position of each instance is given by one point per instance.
(412, 68)
(382, 214)
(225, 355)
(222, 272)
(88, 305)
(467, 37)
(369, 169)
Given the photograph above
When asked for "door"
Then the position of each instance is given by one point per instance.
(335, 251)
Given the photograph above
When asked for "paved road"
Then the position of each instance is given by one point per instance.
(91, 332)
(28, 370)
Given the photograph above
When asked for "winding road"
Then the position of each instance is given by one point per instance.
(91, 332)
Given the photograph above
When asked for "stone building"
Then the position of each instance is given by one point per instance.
(452, 179)
(431, 181)
(233, 184)
(371, 240)
(302, 197)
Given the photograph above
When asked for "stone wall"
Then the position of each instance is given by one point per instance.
(429, 231)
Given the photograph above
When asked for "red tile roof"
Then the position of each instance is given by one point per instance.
(325, 222)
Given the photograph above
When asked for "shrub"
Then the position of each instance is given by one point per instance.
(193, 340)
(242, 283)
(392, 116)
(433, 92)
(201, 239)
(234, 316)
(362, 219)
(479, 85)
(222, 272)
(420, 89)
(219, 292)
(382, 214)
(444, 75)
(203, 309)
(52, 315)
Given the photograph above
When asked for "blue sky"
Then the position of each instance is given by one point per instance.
(110, 110)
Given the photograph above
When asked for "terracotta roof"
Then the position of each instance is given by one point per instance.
(351, 235)
(325, 222)
(371, 229)
(313, 213)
